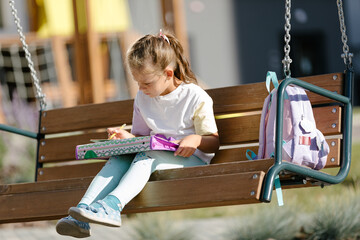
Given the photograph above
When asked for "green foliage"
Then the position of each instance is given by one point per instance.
(158, 227)
(2, 153)
(354, 174)
(17, 153)
(271, 223)
(17, 158)
(337, 221)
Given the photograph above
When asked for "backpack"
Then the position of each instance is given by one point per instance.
(303, 143)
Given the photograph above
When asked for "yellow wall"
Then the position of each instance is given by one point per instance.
(56, 17)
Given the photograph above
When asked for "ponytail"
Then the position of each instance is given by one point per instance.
(182, 70)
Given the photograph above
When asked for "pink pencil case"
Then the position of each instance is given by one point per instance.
(106, 149)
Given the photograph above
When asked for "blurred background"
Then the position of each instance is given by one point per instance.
(78, 46)
(78, 49)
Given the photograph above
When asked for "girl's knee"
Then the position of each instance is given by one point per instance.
(143, 160)
(141, 156)
(119, 162)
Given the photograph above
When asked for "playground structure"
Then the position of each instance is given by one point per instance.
(79, 68)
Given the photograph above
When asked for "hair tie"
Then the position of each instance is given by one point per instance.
(163, 36)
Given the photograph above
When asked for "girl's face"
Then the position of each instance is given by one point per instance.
(155, 85)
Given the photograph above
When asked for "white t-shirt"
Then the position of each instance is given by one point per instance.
(186, 110)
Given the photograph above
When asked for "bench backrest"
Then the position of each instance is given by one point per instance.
(237, 110)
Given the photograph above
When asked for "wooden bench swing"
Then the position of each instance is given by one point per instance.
(230, 179)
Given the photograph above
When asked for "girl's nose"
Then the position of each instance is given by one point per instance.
(141, 87)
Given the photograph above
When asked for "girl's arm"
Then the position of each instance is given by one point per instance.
(119, 133)
(188, 145)
(209, 143)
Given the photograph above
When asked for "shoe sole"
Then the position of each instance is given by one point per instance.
(71, 229)
(80, 215)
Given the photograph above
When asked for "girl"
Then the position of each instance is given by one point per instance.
(168, 102)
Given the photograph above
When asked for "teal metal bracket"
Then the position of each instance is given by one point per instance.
(29, 134)
(18, 131)
(279, 165)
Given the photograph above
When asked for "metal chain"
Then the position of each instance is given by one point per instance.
(287, 60)
(39, 93)
(346, 55)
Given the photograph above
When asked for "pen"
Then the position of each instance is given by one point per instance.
(113, 135)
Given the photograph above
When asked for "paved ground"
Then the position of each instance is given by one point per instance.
(205, 229)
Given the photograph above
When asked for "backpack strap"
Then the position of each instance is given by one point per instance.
(250, 155)
(271, 78)
(278, 190)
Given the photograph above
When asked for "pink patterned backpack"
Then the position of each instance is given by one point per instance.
(303, 143)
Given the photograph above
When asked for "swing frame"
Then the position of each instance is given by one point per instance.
(237, 180)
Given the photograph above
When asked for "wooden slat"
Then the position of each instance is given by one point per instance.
(233, 154)
(91, 169)
(35, 201)
(218, 190)
(24, 204)
(239, 154)
(332, 82)
(333, 159)
(213, 169)
(239, 130)
(69, 171)
(245, 129)
(328, 119)
(63, 148)
(90, 116)
(250, 97)
(46, 186)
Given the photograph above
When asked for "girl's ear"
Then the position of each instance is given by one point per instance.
(169, 73)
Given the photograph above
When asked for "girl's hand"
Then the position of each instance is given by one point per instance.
(119, 133)
(187, 145)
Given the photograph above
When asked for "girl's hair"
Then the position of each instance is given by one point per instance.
(160, 51)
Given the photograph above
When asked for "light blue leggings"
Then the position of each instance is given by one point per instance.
(125, 176)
